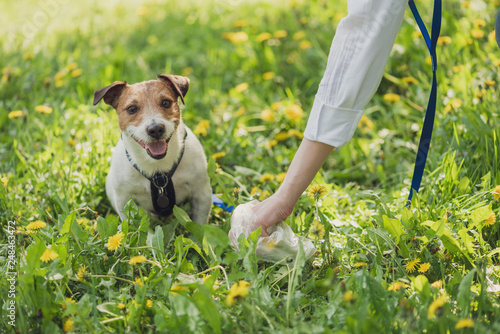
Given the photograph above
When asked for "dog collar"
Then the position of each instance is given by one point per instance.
(162, 187)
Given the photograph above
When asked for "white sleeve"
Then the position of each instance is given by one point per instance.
(356, 64)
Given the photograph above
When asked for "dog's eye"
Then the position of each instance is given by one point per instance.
(132, 110)
(166, 103)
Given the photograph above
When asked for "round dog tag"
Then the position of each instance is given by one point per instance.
(162, 201)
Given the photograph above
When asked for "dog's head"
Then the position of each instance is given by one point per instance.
(147, 111)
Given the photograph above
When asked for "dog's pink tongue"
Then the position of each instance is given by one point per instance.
(158, 147)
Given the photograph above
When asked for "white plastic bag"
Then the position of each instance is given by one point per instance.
(280, 244)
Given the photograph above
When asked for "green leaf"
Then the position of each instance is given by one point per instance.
(480, 215)
(463, 297)
(215, 236)
(394, 227)
(157, 240)
(107, 227)
(421, 284)
(34, 252)
(467, 240)
(67, 223)
(193, 228)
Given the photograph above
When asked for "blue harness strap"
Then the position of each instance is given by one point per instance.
(425, 138)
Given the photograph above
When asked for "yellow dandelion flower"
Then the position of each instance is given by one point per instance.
(457, 68)
(237, 292)
(267, 115)
(296, 133)
(59, 76)
(491, 219)
(477, 33)
(268, 75)
(496, 193)
(263, 37)
(365, 123)
(299, 35)
(236, 37)
(81, 273)
(4, 180)
(479, 95)
(139, 282)
(71, 67)
(141, 11)
(396, 286)
(424, 267)
(479, 23)
(36, 225)
(444, 40)
(241, 23)
(360, 264)
(277, 105)
(137, 259)
(465, 4)
(49, 255)
(428, 60)
(304, 45)
(489, 82)
(409, 80)
(202, 127)
(283, 135)
(317, 191)
(121, 306)
(58, 83)
(254, 191)
(280, 34)
(240, 112)
(292, 57)
(435, 305)
(76, 73)
(68, 324)
(241, 87)
(411, 265)
(149, 303)
(218, 155)
(416, 34)
(317, 230)
(115, 241)
(265, 194)
(437, 284)
(266, 177)
(496, 62)
(28, 56)
(391, 97)
(348, 296)
(456, 103)
(43, 109)
(187, 71)
(15, 114)
(178, 288)
(280, 177)
(492, 36)
(294, 112)
(271, 143)
(464, 323)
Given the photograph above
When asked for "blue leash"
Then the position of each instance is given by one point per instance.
(218, 202)
(425, 138)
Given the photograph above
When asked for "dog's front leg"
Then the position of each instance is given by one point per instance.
(201, 204)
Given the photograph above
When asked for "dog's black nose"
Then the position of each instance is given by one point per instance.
(156, 130)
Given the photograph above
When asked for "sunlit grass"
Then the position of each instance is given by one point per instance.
(254, 69)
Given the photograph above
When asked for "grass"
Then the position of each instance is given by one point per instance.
(380, 267)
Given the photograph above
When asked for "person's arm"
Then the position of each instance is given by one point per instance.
(356, 63)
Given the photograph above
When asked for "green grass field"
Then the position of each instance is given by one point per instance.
(254, 69)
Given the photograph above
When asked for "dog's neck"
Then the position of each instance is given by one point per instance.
(150, 166)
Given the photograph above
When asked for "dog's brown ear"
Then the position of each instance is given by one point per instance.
(179, 83)
(110, 93)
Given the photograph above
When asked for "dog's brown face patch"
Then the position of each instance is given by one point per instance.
(144, 100)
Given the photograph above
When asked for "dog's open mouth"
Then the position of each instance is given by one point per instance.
(155, 149)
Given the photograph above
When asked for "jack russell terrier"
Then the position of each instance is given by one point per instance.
(158, 162)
